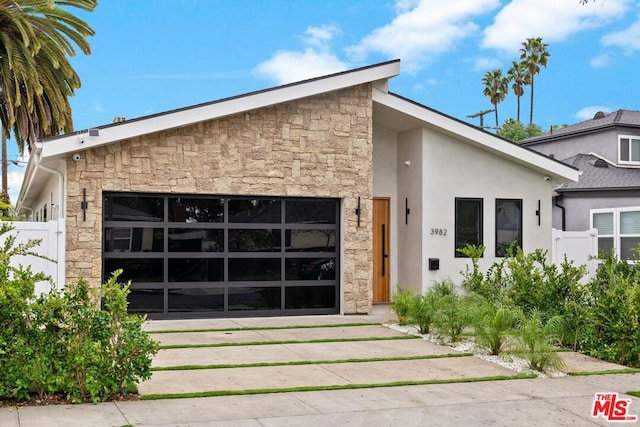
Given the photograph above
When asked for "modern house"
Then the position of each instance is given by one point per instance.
(606, 149)
(309, 198)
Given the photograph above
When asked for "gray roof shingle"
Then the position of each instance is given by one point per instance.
(600, 178)
(626, 118)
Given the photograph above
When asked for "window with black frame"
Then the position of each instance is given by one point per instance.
(468, 223)
(208, 254)
(508, 225)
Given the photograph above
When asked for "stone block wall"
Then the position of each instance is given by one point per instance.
(319, 146)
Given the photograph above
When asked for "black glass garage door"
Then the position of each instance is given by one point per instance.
(208, 256)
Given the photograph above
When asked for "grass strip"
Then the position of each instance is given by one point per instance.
(605, 372)
(331, 387)
(323, 340)
(265, 328)
(634, 393)
(309, 362)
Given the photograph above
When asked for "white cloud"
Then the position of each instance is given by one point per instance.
(288, 66)
(553, 20)
(600, 61)
(319, 37)
(315, 60)
(587, 113)
(418, 34)
(486, 64)
(628, 39)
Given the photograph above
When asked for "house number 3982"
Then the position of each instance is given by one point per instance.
(438, 232)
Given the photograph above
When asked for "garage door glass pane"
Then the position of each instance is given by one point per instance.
(310, 269)
(254, 298)
(133, 208)
(128, 239)
(195, 240)
(297, 297)
(196, 270)
(311, 240)
(193, 210)
(146, 301)
(310, 212)
(201, 299)
(254, 240)
(137, 270)
(255, 211)
(254, 269)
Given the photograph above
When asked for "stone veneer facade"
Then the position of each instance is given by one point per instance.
(319, 146)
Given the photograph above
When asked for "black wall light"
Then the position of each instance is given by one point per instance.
(538, 213)
(358, 211)
(407, 211)
(84, 205)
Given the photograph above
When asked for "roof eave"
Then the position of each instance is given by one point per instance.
(557, 171)
(83, 140)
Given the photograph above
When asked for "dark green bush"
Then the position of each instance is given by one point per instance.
(64, 342)
(613, 328)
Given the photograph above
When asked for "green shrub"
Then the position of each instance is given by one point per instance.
(613, 329)
(535, 340)
(494, 325)
(454, 315)
(424, 310)
(64, 342)
(401, 302)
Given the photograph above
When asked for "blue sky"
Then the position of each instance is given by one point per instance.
(153, 56)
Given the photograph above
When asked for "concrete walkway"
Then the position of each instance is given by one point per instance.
(556, 401)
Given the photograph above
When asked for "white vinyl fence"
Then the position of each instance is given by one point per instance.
(579, 246)
(52, 246)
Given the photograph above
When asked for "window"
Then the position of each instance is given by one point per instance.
(618, 230)
(468, 223)
(629, 149)
(508, 224)
(603, 222)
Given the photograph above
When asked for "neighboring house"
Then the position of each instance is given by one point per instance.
(606, 149)
(308, 198)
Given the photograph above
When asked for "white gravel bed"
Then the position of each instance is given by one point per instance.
(514, 363)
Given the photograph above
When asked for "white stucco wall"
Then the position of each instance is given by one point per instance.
(385, 184)
(410, 234)
(454, 168)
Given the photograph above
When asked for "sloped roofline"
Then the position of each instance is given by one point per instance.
(114, 132)
(557, 170)
(615, 119)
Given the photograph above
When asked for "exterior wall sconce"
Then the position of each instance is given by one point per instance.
(407, 211)
(407, 163)
(84, 205)
(358, 211)
(538, 213)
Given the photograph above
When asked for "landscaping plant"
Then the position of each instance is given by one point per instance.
(424, 310)
(401, 302)
(64, 343)
(535, 341)
(494, 325)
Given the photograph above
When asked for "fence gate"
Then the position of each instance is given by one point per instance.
(52, 236)
(579, 246)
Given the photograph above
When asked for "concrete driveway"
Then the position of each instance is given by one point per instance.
(351, 373)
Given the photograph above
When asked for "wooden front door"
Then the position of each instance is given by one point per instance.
(381, 249)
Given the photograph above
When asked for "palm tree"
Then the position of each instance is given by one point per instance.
(36, 78)
(520, 78)
(534, 54)
(495, 88)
